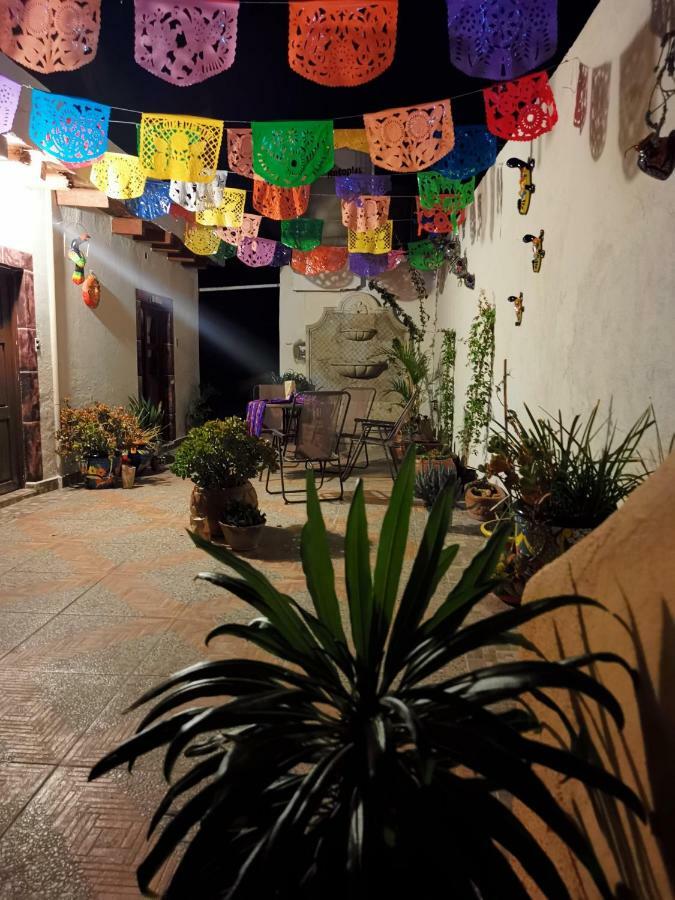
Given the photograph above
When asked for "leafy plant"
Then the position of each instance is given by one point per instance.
(354, 764)
(446, 386)
(200, 408)
(430, 481)
(97, 430)
(411, 368)
(150, 415)
(388, 299)
(481, 357)
(221, 454)
(302, 383)
(241, 515)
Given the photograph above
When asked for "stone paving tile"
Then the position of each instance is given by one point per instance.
(41, 592)
(18, 783)
(18, 627)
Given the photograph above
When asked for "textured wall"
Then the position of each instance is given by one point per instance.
(599, 319)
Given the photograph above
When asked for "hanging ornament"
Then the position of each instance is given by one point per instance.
(365, 213)
(320, 260)
(376, 241)
(279, 203)
(350, 187)
(342, 44)
(538, 248)
(367, 265)
(179, 212)
(425, 255)
(224, 252)
(410, 138)
(256, 252)
(10, 92)
(69, 128)
(50, 35)
(282, 255)
(520, 110)
(91, 291)
(437, 190)
(292, 154)
(581, 102)
(475, 151)
(240, 151)
(229, 213)
(183, 148)
(78, 257)
(501, 39)
(118, 175)
(526, 186)
(302, 234)
(437, 219)
(197, 196)
(153, 203)
(185, 43)
(519, 307)
(250, 225)
(200, 240)
(350, 139)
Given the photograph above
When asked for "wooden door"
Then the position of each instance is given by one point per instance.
(11, 457)
(155, 357)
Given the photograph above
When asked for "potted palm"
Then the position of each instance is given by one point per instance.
(220, 457)
(354, 760)
(242, 526)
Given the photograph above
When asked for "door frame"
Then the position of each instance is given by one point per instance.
(13, 277)
(145, 300)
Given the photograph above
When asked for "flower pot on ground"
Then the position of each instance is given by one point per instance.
(219, 457)
(481, 498)
(242, 526)
(128, 476)
(99, 473)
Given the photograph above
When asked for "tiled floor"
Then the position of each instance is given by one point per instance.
(97, 602)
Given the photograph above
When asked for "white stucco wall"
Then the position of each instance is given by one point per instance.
(599, 319)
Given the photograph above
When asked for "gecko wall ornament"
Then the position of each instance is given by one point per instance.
(538, 249)
(78, 257)
(519, 307)
(526, 186)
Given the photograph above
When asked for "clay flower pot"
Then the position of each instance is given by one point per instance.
(424, 464)
(128, 476)
(481, 501)
(242, 540)
(209, 503)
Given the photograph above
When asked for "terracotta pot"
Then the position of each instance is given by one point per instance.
(209, 503)
(128, 476)
(480, 506)
(445, 463)
(242, 540)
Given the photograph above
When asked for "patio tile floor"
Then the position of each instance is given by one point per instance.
(98, 601)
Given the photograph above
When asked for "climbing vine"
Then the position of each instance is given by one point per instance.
(388, 299)
(481, 356)
(446, 386)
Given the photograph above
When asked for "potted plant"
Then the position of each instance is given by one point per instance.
(150, 417)
(219, 457)
(481, 498)
(430, 481)
(339, 767)
(242, 526)
(410, 367)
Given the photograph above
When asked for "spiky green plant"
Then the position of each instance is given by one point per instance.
(356, 765)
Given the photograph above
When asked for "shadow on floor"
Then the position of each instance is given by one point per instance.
(283, 545)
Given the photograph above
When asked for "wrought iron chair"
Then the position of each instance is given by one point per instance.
(360, 406)
(319, 423)
(380, 433)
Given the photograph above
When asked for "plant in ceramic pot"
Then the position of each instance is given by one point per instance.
(242, 526)
(481, 498)
(219, 457)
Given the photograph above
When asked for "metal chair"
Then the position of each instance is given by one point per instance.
(380, 433)
(360, 406)
(319, 423)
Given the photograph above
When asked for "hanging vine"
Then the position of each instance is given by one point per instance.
(388, 299)
(481, 357)
(446, 387)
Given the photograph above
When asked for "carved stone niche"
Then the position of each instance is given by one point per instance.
(346, 349)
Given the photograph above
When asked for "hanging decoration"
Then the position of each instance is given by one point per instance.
(256, 252)
(279, 203)
(410, 138)
(69, 128)
(200, 240)
(365, 213)
(184, 148)
(475, 151)
(342, 44)
(153, 203)
(501, 39)
(350, 187)
(376, 241)
(179, 212)
(320, 260)
(581, 102)
(521, 110)
(250, 225)
(185, 43)
(50, 35)
(91, 291)
(302, 234)
(526, 186)
(118, 175)
(437, 219)
(224, 252)
(229, 213)
(78, 258)
(519, 307)
(367, 265)
(350, 139)
(10, 92)
(240, 151)
(448, 193)
(196, 196)
(538, 249)
(282, 255)
(425, 255)
(292, 154)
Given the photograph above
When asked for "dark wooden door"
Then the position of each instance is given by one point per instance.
(11, 466)
(155, 351)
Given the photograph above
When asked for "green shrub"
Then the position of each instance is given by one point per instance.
(241, 515)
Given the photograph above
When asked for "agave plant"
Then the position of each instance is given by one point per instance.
(356, 764)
